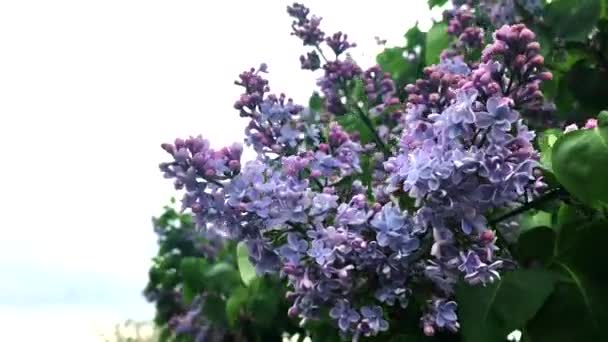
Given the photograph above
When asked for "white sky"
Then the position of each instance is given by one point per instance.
(88, 91)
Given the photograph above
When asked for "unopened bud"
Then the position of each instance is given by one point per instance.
(209, 172)
(537, 60)
(545, 76)
(234, 165)
(168, 147)
(527, 35)
(293, 311)
(591, 123)
(487, 236)
(533, 47)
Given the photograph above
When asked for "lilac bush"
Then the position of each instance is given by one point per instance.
(373, 199)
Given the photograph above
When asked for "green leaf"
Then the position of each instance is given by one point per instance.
(537, 239)
(235, 304)
(357, 92)
(534, 219)
(546, 141)
(316, 102)
(193, 271)
(580, 164)
(188, 293)
(265, 300)
(222, 277)
(219, 270)
(437, 40)
(352, 123)
(246, 268)
(578, 309)
(489, 313)
(573, 20)
(433, 3)
(535, 245)
(587, 85)
(393, 60)
(602, 119)
(215, 309)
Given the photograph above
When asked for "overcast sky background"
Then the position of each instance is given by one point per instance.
(88, 91)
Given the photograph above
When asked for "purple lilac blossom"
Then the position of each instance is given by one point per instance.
(464, 150)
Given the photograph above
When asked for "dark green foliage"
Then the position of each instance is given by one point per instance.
(580, 163)
(490, 313)
(578, 308)
(234, 295)
(405, 63)
(573, 20)
(437, 40)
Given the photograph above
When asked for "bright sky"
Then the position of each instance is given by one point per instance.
(88, 91)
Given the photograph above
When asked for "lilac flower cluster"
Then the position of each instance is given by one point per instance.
(334, 262)
(306, 207)
(511, 11)
(337, 75)
(379, 88)
(434, 92)
(464, 152)
(520, 72)
(504, 12)
(461, 24)
(337, 72)
(200, 170)
(276, 125)
(303, 27)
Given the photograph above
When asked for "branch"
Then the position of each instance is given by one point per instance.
(549, 196)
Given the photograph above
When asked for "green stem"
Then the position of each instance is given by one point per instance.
(372, 129)
(318, 48)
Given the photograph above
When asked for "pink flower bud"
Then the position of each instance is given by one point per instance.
(234, 165)
(533, 47)
(520, 60)
(209, 172)
(276, 148)
(393, 101)
(545, 76)
(537, 60)
(179, 143)
(293, 311)
(493, 88)
(527, 35)
(591, 124)
(168, 147)
(487, 236)
(196, 208)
